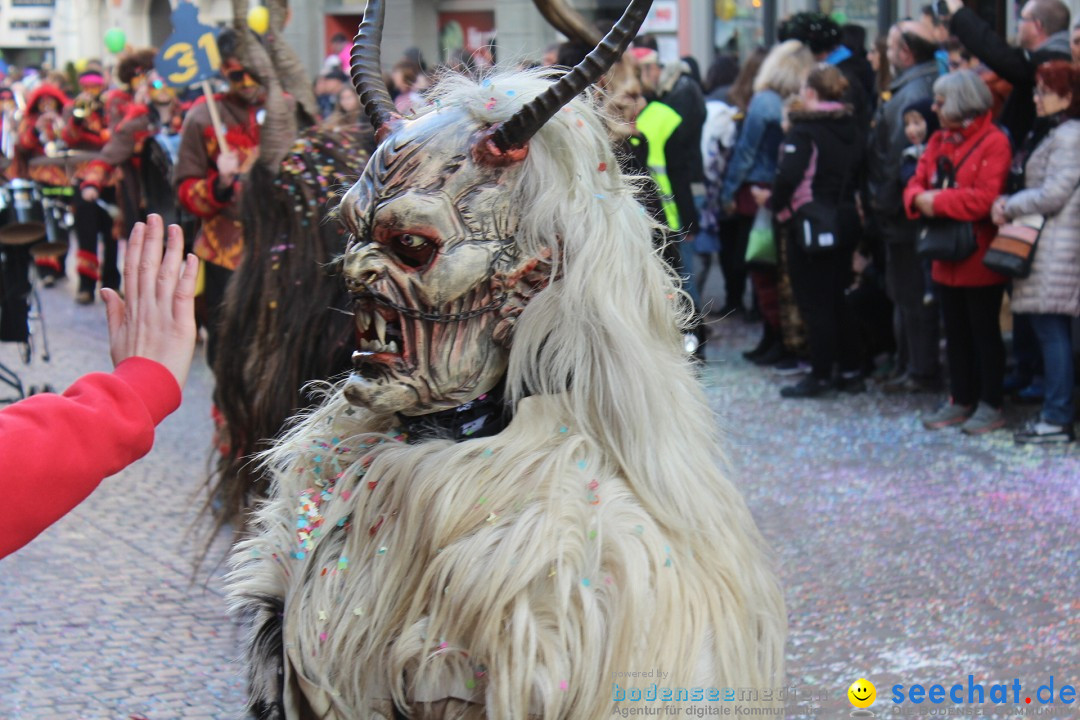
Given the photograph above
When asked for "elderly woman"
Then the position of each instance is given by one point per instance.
(959, 176)
(1050, 295)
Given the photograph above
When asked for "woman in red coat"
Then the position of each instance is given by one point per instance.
(971, 156)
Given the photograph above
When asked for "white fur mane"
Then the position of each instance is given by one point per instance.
(496, 555)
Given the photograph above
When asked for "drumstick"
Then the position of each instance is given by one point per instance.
(214, 117)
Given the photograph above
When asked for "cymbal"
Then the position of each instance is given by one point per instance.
(48, 250)
(26, 233)
(66, 157)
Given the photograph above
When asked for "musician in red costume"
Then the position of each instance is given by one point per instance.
(39, 133)
(209, 179)
(116, 168)
(87, 129)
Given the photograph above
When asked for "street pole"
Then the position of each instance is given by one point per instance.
(769, 19)
(885, 14)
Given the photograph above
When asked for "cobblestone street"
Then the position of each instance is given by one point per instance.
(906, 556)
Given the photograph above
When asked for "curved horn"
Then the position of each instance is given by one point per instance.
(568, 21)
(517, 131)
(366, 67)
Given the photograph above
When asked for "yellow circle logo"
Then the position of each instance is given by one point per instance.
(862, 693)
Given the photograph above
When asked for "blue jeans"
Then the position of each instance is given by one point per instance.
(1055, 340)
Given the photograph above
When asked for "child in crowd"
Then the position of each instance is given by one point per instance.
(920, 122)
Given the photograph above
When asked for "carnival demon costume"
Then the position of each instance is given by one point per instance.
(412, 564)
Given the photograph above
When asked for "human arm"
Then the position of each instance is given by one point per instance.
(1010, 63)
(1059, 183)
(58, 448)
(758, 116)
(201, 189)
(983, 176)
(796, 151)
(921, 183)
(118, 150)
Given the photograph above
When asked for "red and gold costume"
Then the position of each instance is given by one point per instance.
(31, 140)
(30, 143)
(220, 240)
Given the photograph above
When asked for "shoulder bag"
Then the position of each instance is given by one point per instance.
(944, 238)
(1013, 248)
(817, 224)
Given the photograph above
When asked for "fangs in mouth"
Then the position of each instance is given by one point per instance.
(378, 332)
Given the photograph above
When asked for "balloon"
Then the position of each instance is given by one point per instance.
(80, 65)
(259, 19)
(115, 40)
(840, 17)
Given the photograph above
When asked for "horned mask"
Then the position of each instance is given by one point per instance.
(436, 275)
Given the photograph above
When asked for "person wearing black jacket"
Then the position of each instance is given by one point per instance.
(819, 161)
(1042, 34)
(823, 36)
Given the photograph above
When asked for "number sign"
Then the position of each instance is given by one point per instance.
(190, 55)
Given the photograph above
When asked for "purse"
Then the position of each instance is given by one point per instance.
(817, 225)
(1013, 249)
(944, 238)
(761, 248)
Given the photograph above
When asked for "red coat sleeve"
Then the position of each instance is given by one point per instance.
(56, 449)
(984, 179)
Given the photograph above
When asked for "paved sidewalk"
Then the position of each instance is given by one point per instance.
(907, 556)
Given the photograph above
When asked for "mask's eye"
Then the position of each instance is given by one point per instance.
(412, 250)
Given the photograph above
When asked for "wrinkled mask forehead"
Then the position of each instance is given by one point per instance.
(425, 170)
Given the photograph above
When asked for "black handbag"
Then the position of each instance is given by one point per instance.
(944, 238)
(817, 225)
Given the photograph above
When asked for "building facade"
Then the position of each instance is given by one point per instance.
(33, 32)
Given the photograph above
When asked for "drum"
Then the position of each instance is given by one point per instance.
(26, 201)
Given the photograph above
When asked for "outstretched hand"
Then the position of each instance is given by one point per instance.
(156, 319)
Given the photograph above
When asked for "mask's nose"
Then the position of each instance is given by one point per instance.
(362, 267)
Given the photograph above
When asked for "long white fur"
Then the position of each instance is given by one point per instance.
(502, 568)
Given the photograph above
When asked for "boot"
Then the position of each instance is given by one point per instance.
(768, 339)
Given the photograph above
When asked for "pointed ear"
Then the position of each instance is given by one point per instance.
(521, 285)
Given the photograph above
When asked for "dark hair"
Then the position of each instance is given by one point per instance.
(1053, 15)
(134, 63)
(921, 50)
(743, 87)
(228, 44)
(853, 37)
(571, 53)
(1062, 78)
(816, 30)
(339, 38)
(646, 41)
(952, 45)
(884, 71)
(828, 82)
(279, 312)
(722, 72)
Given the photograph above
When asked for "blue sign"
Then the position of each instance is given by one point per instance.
(190, 55)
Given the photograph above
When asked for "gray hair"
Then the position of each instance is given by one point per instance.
(965, 95)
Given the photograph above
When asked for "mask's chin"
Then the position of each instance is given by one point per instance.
(382, 397)
(414, 396)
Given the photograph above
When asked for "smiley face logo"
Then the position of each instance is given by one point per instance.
(862, 693)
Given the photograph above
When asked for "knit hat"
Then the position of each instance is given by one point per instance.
(924, 108)
(816, 30)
